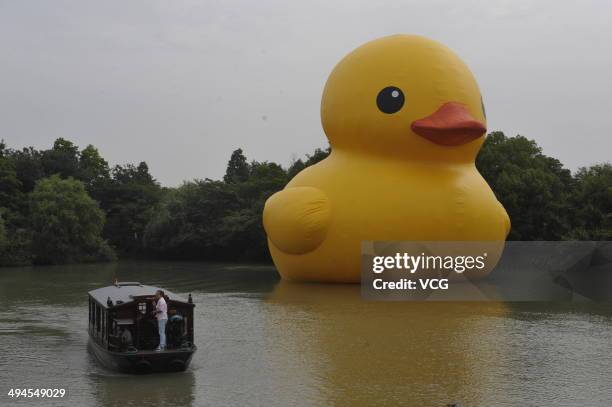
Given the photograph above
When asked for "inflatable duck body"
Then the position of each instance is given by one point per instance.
(405, 121)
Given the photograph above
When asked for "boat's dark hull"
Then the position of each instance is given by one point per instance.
(174, 360)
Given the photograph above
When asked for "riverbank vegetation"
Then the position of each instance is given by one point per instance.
(68, 205)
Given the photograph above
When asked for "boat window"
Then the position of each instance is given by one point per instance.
(142, 307)
(98, 318)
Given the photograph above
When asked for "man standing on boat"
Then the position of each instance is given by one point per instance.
(161, 313)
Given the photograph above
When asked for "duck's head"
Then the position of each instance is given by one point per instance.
(407, 97)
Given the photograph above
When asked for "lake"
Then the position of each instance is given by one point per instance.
(263, 342)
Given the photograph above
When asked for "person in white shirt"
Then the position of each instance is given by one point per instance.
(161, 313)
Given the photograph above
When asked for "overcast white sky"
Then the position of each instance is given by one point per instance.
(180, 84)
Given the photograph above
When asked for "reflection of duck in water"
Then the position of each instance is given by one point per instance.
(413, 353)
(405, 120)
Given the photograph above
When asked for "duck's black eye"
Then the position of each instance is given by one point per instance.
(390, 99)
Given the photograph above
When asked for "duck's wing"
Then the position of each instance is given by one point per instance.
(506, 218)
(296, 219)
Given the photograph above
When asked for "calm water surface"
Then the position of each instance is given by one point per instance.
(266, 343)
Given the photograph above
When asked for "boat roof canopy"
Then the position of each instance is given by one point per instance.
(122, 293)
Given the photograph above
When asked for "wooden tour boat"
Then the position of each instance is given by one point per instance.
(123, 331)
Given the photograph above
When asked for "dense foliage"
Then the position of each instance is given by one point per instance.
(32, 183)
(66, 223)
(68, 205)
(591, 201)
(533, 188)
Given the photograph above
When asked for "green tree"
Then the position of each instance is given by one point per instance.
(129, 199)
(242, 228)
(188, 222)
(265, 178)
(17, 247)
(28, 167)
(62, 159)
(93, 170)
(237, 168)
(3, 239)
(533, 187)
(208, 219)
(14, 240)
(592, 203)
(10, 186)
(66, 223)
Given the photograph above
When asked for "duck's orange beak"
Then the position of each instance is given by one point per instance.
(450, 125)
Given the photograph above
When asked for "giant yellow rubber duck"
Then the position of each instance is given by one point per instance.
(405, 120)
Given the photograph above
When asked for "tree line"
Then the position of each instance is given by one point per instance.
(65, 205)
